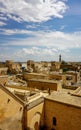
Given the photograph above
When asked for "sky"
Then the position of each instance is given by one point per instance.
(40, 30)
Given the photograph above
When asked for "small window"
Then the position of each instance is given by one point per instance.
(8, 100)
(54, 121)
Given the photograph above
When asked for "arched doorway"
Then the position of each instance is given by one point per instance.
(35, 122)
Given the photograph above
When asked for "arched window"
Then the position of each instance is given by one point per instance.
(54, 121)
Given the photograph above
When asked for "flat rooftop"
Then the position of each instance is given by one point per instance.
(13, 83)
(44, 80)
(72, 72)
(62, 97)
(26, 95)
(77, 92)
(4, 76)
(17, 90)
(35, 74)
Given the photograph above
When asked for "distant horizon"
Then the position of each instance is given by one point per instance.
(40, 30)
(42, 61)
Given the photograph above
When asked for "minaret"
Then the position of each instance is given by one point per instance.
(59, 58)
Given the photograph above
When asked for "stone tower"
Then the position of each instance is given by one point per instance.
(59, 58)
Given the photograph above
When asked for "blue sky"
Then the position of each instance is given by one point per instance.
(40, 30)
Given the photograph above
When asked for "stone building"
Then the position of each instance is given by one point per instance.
(2, 64)
(55, 66)
(31, 109)
(11, 110)
(27, 76)
(30, 63)
(70, 79)
(4, 79)
(58, 77)
(38, 67)
(44, 84)
(64, 112)
(66, 79)
(21, 109)
(13, 67)
(75, 74)
(3, 70)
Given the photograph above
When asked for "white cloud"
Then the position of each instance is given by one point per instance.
(32, 26)
(38, 50)
(33, 53)
(37, 54)
(3, 18)
(14, 31)
(41, 45)
(56, 39)
(2, 23)
(32, 10)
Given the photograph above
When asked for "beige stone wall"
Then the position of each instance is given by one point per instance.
(76, 76)
(17, 87)
(67, 117)
(56, 77)
(35, 117)
(10, 112)
(55, 66)
(34, 75)
(3, 70)
(44, 85)
(3, 79)
(70, 79)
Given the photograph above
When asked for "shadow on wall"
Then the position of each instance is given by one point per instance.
(12, 123)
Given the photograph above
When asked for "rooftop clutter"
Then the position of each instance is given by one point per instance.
(27, 89)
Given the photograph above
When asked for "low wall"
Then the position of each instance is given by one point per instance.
(44, 84)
